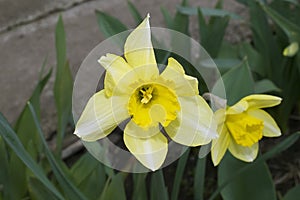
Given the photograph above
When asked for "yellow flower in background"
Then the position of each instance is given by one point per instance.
(134, 89)
(291, 50)
(242, 125)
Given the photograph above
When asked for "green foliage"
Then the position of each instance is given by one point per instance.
(238, 83)
(63, 84)
(255, 183)
(292, 194)
(29, 170)
(11, 138)
(109, 25)
(158, 189)
(140, 188)
(199, 179)
(179, 174)
(68, 187)
(212, 33)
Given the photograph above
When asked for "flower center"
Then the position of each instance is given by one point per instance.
(153, 103)
(245, 129)
(146, 94)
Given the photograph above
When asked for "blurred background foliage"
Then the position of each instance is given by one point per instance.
(268, 63)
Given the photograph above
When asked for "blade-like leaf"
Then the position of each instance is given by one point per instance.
(63, 84)
(211, 34)
(238, 83)
(70, 190)
(207, 12)
(93, 184)
(158, 188)
(167, 17)
(285, 144)
(265, 86)
(291, 29)
(140, 188)
(264, 41)
(25, 125)
(109, 25)
(12, 140)
(293, 194)
(115, 189)
(256, 183)
(83, 168)
(134, 12)
(38, 190)
(179, 173)
(199, 179)
(255, 59)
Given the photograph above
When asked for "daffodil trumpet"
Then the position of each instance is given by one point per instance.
(242, 126)
(134, 89)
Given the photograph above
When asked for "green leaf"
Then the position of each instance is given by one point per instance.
(283, 145)
(134, 12)
(4, 167)
(256, 183)
(229, 51)
(115, 189)
(68, 187)
(291, 29)
(181, 21)
(158, 188)
(16, 187)
(39, 191)
(93, 184)
(167, 17)
(140, 188)
(264, 86)
(83, 167)
(179, 173)
(293, 194)
(207, 12)
(199, 179)
(264, 41)
(17, 184)
(255, 59)
(212, 34)
(225, 64)
(109, 25)
(238, 83)
(12, 140)
(63, 84)
(25, 125)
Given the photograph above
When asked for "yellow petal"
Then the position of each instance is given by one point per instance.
(194, 124)
(256, 101)
(220, 145)
(291, 50)
(247, 154)
(116, 70)
(271, 129)
(239, 107)
(151, 152)
(133, 130)
(184, 85)
(139, 51)
(99, 118)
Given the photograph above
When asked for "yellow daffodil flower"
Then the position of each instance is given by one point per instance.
(291, 50)
(242, 125)
(134, 89)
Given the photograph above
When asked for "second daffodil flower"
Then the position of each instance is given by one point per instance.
(242, 125)
(134, 89)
